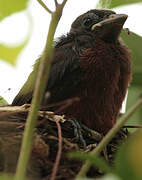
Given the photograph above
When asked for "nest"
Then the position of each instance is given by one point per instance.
(54, 138)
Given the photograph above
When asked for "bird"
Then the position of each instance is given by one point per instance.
(92, 63)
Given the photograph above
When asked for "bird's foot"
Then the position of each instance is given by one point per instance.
(80, 130)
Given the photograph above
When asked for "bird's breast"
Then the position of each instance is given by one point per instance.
(107, 73)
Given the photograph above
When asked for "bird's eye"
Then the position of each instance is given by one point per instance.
(87, 21)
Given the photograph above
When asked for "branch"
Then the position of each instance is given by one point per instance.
(109, 136)
(41, 81)
(44, 6)
(63, 3)
(56, 3)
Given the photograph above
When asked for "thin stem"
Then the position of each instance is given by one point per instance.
(56, 3)
(41, 81)
(64, 2)
(109, 136)
(58, 156)
(44, 6)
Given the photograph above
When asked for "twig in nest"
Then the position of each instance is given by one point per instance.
(106, 154)
(58, 157)
(11, 110)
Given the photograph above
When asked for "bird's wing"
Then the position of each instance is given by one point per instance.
(65, 75)
(64, 78)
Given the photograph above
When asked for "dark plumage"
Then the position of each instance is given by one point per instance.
(92, 64)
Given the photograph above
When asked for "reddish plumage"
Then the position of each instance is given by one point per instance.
(104, 85)
(92, 64)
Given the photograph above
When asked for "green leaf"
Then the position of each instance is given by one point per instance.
(115, 3)
(9, 7)
(103, 4)
(3, 101)
(134, 42)
(128, 160)
(95, 161)
(133, 94)
(10, 54)
(109, 177)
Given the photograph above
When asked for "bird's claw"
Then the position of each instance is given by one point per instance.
(78, 131)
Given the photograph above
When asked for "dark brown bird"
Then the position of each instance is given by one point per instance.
(91, 63)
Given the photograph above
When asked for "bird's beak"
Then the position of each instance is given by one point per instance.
(109, 29)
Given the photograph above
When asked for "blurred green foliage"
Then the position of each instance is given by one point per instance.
(3, 101)
(133, 94)
(7, 177)
(95, 161)
(115, 3)
(128, 161)
(134, 42)
(10, 53)
(7, 8)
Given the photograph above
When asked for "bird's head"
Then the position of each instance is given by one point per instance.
(103, 24)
